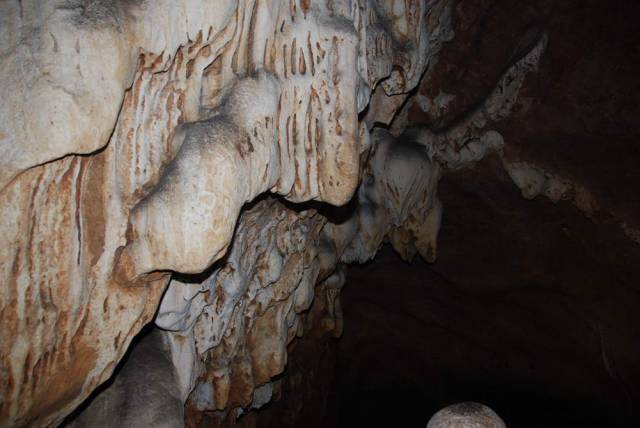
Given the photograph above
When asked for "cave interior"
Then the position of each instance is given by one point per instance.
(488, 252)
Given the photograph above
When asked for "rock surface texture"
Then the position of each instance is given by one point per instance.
(211, 166)
(132, 134)
(466, 415)
(531, 305)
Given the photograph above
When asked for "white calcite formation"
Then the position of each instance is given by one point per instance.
(131, 135)
(397, 201)
(534, 181)
(157, 159)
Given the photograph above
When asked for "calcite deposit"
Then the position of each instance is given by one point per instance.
(132, 134)
(179, 162)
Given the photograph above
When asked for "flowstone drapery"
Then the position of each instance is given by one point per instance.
(132, 134)
(136, 140)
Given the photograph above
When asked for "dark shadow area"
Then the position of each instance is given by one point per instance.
(414, 343)
(531, 308)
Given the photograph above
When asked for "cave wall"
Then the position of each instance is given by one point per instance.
(530, 306)
(133, 132)
(175, 162)
(574, 126)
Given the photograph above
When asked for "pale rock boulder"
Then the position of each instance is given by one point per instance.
(466, 415)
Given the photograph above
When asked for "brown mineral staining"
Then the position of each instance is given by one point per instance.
(310, 50)
(302, 66)
(60, 388)
(285, 61)
(294, 52)
(92, 207)
(190, 65)
(304, 5)
(77, 257)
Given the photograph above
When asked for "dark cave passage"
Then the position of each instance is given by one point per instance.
(530, 309)
(415, 343)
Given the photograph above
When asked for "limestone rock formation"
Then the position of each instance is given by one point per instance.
(180, 162)
(133, 132)
(556, 271)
